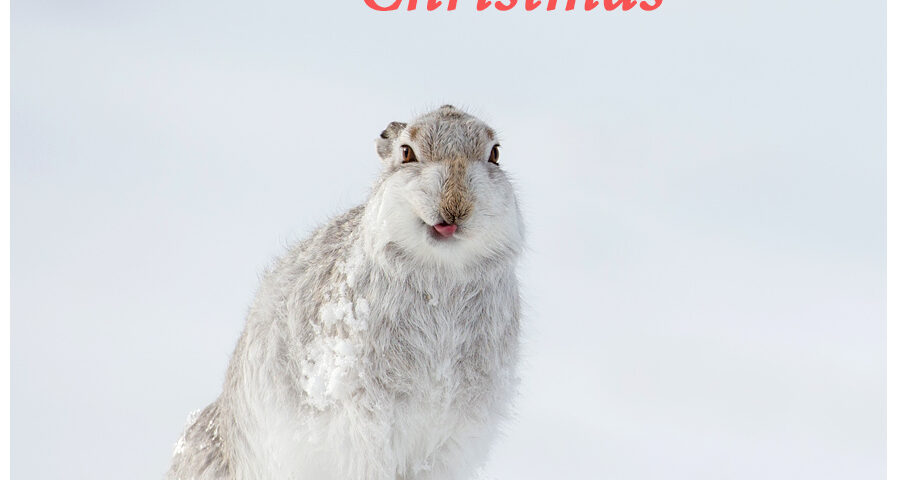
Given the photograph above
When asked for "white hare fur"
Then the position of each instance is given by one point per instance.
(377, 348)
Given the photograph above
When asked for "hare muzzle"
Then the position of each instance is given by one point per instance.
(455, 205)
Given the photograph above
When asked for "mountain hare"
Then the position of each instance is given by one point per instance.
(383, 346)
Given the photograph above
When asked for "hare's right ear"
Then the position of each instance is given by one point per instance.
(387, 137)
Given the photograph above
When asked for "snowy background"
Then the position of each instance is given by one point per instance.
(703, 185)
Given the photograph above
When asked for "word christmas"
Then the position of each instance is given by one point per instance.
(609, 5)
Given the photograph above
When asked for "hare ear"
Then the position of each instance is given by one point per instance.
(387, 137)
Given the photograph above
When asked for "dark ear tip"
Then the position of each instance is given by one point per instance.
(392, 130)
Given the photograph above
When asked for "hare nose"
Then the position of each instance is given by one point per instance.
(456, 202)
(445, 229)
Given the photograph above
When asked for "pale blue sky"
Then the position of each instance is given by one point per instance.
(703, 187)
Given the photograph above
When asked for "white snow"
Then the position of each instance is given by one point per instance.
(329, 372)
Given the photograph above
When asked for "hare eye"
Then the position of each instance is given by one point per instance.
(493, 155)
(408, 154)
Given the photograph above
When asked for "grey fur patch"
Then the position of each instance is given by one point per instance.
(199, 453)
(387, 137)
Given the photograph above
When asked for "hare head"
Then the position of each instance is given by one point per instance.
(443, 195)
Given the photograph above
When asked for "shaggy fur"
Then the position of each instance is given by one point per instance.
(377, 349)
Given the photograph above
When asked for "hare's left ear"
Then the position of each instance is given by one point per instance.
(387, 137)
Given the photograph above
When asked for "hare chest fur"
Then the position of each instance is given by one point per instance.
(384, 346)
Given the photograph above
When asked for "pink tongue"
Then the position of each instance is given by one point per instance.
(445, 230)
